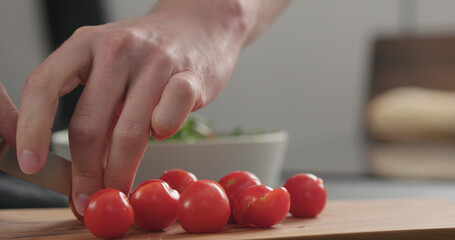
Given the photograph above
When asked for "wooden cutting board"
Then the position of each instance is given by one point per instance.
(371, 219)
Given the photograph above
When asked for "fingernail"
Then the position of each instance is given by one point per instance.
(81, 200)
(29, 162)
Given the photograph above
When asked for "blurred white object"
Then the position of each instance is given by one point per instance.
(413, 113)
(262, 154)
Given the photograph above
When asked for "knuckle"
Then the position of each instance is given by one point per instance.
(84, 31)
(85, 174)
(118, 40)
(164, 58)
(130, 135)
(36, 82)
(184, 89)
(84, 127)
(188, 88)
(159, 51)
(85, 177)
(28, 130)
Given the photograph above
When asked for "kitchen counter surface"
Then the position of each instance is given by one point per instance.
(341, 219)
(359, 207)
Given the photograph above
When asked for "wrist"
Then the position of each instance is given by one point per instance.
(231, 20)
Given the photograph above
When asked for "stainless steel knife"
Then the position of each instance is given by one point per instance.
(55, 175)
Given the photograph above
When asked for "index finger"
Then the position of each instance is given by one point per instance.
(59, 74)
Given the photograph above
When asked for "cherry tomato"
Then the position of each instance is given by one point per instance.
(244, 201)
(73, 209)
(108, 213)
(144, 183)
(155, 206)
(261, 206)
(234, 183)
(178, 179)
(270, 209)
(308, 194)
(203, 207)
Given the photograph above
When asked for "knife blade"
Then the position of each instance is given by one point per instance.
(55, 175)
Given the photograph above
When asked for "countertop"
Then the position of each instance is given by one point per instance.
(341, 220)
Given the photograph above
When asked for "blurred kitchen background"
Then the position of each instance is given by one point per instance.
(311, 73)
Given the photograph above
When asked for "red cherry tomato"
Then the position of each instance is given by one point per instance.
(234, 183)
(270, 209)
(73, 209)
(244, 201)
(155, 206)
(108, 214)
(261, 206)
(178, 179)
(203, 207)
(144, 183)
(308, 194)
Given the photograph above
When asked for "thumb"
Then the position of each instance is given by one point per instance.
(181, 96)
(8, 117)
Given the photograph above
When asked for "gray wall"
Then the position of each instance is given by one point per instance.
(22, 43)
(306, 74)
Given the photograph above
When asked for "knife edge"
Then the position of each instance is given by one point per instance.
(55, 175)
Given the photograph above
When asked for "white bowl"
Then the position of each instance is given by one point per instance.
(262, 154)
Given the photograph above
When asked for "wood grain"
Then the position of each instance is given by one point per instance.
(371, 219)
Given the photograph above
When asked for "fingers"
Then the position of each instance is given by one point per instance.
(8, 117)
(132, 132)
(130, 137)
(58, 74)
(89, 127)
(182, 95)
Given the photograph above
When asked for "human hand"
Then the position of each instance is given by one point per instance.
(8, 117)
(141, 76)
